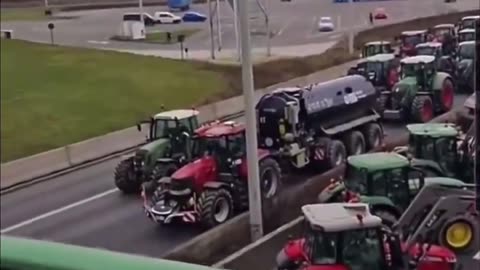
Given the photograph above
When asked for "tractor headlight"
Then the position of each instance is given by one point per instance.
(269, 142)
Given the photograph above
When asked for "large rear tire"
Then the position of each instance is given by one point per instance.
(447, 95)
(355, 143)
(125, 179)
(336, 154)
(270, 177)
(373, 134)
(422, 109)
(215, 207)
(459, 234)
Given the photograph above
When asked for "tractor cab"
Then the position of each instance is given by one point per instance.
(437, 142)
(466, 51)
(465, 66)
(444, 61)
(347, 236)
(410, 39)
(421, 67)
(441, 32)
(166, 124)
(381, 70)
(376, 47)
(223, 141)
(384, 174)
(468, 22)
(466, 35)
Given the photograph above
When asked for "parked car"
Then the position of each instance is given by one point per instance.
(193, 16)
(166, 17)
(147, 18)
(326, 24)
(380, 14)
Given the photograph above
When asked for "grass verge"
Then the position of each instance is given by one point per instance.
(28, 14)
(162, 37)
(53, 96)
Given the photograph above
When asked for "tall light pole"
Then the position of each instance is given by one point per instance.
(235, 23)
(140, 10)
(219, 26)
(210, 28)
(351, 33)
(254, 194)
(476, 120)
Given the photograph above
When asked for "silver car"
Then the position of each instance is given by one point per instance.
(326, 24)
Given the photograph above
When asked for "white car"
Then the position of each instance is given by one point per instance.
(166, 17)
(326, 24)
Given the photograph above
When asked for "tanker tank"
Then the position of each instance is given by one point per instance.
(317, 107)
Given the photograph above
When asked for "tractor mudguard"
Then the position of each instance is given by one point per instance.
(330, 192)
(215, 185)
(263, 153)
(438, 80)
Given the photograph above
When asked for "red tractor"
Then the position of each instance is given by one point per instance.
(211, 188)
(410, 39)
(346, 236)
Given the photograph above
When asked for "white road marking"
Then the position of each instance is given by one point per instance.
(98, 42)
(280, 31)
(58, 211)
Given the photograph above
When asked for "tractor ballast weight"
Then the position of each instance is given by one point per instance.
(376, 47)
(321, 123)
(163, 153)
(347, 236)
(442, 215)
(422, 92)
(211, 188)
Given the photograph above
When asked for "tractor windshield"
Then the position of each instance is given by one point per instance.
(442, 150)
(163, 128)
(468, 23)
(356, 180)
(426, 50)
(376, 49)
(410, 70)
(467, 51)
(466, 36)
(356, 249)
(412, 40)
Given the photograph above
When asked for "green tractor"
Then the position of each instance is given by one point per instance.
(443, 147)
(166, 150)
(387, 181)
(421, 93)
(376, 47)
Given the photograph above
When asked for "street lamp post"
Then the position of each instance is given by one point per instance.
(254, 195)
(140, 10)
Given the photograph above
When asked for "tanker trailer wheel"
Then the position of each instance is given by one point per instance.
(161, 170)
(124, 176)
(422, 109)
(354, 142)
(215, 207)
(447, 95)
(373, 134)
(336, 154)
(270, 177)
(459, 235)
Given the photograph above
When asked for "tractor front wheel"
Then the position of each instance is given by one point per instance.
(215, 207)
(270, 177)
(459, 234)
(355, 143)
(422, 109)
(124, 176)
(336, 154)
(447, 95)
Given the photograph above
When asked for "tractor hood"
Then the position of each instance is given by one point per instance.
(403, 87)
(155, 145)
(374, 200)
(193, 170)
(434, 254)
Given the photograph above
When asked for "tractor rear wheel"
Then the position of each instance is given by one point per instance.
(215, 207)
(270, 177)
(373, 135)
(422, 109)
(354, 142)
(124, 176)
(459, 234)
(388, 218)
(336, 154)
(447, 95)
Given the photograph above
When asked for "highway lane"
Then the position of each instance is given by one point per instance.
(294, 22)
(84, 208)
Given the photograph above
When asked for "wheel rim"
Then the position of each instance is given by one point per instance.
(269, 183)
(459, 234)
(427, 111)
(447, 95)
(358, 149)
(222, 210)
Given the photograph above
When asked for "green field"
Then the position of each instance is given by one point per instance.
(53, 96)
(23, 14)
(161, 37)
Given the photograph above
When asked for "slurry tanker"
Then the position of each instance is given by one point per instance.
(321, 123)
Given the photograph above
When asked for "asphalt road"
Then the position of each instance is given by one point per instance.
(293, 22)
(84, 208)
